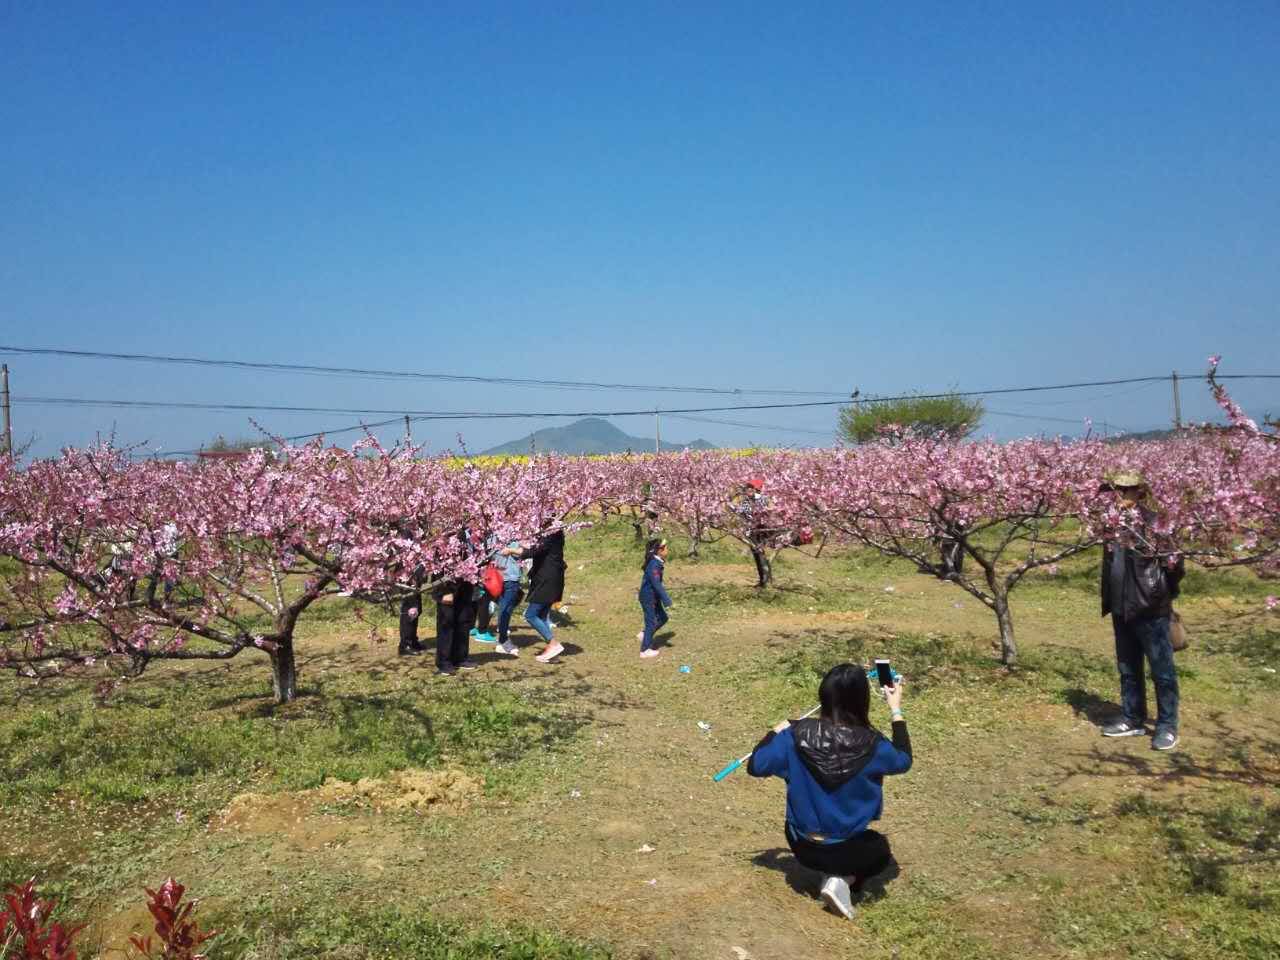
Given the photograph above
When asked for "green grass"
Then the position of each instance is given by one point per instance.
(197, 742)
(293, 930)
(100, 797)
(87, 786)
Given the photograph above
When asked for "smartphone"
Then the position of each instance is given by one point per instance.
(884, 673)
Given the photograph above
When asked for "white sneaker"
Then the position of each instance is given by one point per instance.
(508, 649)
(835, 891)
(651, 652)
(549, 654)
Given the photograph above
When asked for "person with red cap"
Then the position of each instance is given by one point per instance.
(752, 507)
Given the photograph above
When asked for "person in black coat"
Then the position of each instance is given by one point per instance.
(455, 613)
(546, 586)
(410, 608)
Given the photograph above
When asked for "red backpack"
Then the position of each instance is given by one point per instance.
(493, 581)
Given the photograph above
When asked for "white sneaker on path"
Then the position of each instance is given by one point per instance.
(835, 891)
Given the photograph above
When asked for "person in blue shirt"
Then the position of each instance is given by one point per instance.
(834, 765)
(511, 572)
(654, 599)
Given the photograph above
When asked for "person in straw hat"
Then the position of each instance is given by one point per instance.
(1138, 587)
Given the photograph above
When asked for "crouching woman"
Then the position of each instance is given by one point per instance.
(834, 765)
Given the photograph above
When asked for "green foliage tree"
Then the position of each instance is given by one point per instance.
(951, 416)
(221, 444)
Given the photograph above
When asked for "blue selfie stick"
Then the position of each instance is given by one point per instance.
(730, 768)
(743, 759)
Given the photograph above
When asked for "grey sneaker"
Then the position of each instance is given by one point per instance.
(468, 664)
(835, 891)
(1123, 728)
(1164, 740)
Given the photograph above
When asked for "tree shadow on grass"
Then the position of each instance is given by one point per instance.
(1231, 755)
(1090, 706)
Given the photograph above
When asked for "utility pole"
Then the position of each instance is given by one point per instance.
(1177, 403)
(657, 430)
(408, 434)
(4, 403)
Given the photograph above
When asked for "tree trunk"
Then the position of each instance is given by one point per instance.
(284, 672)
(1008, 649)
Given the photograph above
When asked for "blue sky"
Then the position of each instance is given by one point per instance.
(960, 195)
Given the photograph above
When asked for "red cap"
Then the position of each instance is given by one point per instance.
(756, 483)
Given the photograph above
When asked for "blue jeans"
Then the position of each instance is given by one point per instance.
(655, 617)
(536, 615)
(506, 607)
(1136, 639)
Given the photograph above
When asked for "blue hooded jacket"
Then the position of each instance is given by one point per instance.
(834, 774)
(651, 587)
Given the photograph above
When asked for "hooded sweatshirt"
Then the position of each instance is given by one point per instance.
(834, 774)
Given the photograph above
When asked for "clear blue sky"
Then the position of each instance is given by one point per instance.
(816, 197)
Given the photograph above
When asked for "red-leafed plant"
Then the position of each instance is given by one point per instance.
(24, 926)
(180, 935)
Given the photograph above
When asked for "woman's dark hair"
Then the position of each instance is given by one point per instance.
(845, 695)
(651, 550)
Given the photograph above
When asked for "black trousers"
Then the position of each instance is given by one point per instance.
(409, 622)
(453, 627)
(859, 857)
(483, 614)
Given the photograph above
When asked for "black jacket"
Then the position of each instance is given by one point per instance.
(546, 579)
(834, 754)
(1150, 585)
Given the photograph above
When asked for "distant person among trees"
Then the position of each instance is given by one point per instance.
(511, 573)
(484, 607)
(455, 613)
(951, 549)
(834, 766)
(1138, 589)
(752, 508)
(410, 610)
(167, 547)
(654, 599)
(546, 585)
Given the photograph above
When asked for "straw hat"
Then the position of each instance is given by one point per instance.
(1125, 480)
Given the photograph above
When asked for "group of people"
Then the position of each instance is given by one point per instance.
(834, 764)
(463, 613)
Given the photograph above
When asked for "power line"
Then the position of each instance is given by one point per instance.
(424, 415)
(360, 373)
(1078, 421)
(493, 415)
(754, 426)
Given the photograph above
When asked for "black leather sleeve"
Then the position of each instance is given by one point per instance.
(901, 739)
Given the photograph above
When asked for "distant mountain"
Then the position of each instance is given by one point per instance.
(591, 435)
(1145, 435)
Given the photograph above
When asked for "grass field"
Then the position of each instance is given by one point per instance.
(1019, 829)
